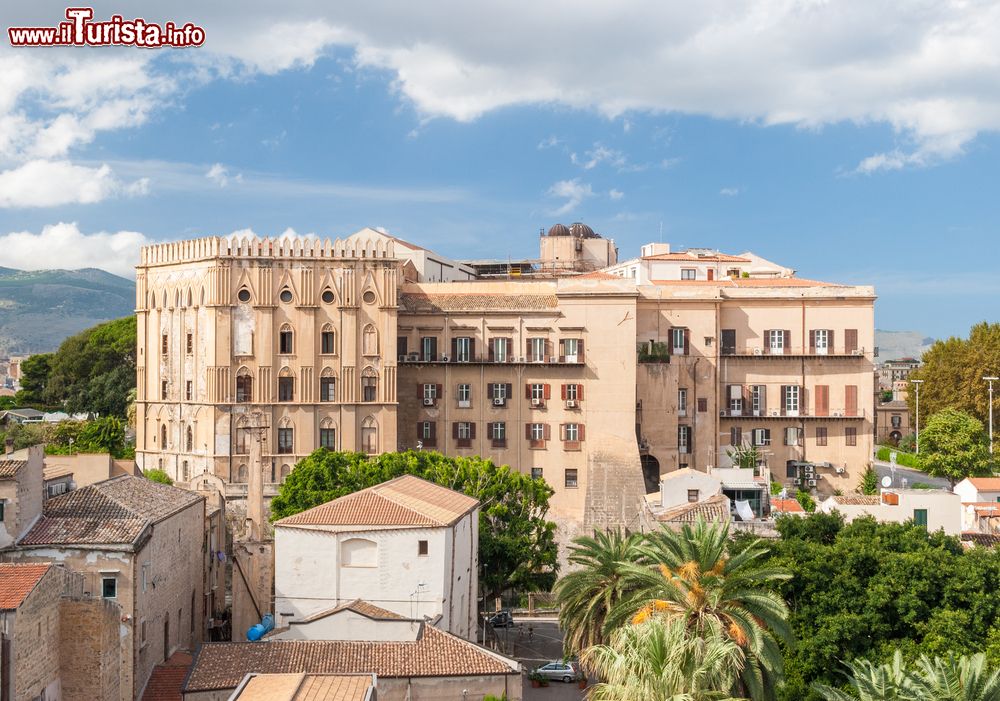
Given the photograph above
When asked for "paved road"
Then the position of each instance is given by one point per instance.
(534, 647)
(910, 476)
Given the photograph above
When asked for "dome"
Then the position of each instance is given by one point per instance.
(582, 231)
(559, 230)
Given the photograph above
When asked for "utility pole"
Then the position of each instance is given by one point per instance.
(990, 380)
(918, 383)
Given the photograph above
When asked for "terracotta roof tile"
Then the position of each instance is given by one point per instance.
(434, 654)
(712, 509)
(358, 606)
(115, 511)
(167, 679)
(787, 506)
(306, 687)
(16, 582)
(750, 282)
(986, 540)
(435, 303)
(406, 501)
(9, 468)
(599, 275)
(986, 484)
(857, 499)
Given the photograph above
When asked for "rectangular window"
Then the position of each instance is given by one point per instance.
(761, 436)
(498, 432)
(692, 496)
(188, 390)
(499, 392)
(501, 350)
(678, 338)
(401, 345)
(682, 402)
(821, 340)
(422, 548)
(851, 435)
(702, 404)
(920, 517)
(684, 439)
(758, 399)
(285, 342)
(464, 396)
(571, 478)
(428, 348)
(369, 388)
(285, 441)
(536, 473)
(735, 400)
(536, 351)
(897, 420)
(736, 436)
(851, 400)
(464, 431)
(791, 435)
(791, 400)
(571, 350)
(776, 341)
(572, 433)
(328, 389)
(426, 430)
(189, 344)
(821, 435)
(328, 438)
(689, 273)
(572, 392)
(728, 345)
(537, 432)
(536, 393)
(109, 587)
(430, 393)
(163, 389)
(3, 505)
(326, 343)
(850, 340)
(286, 389)
(463, 349)
(164, 344)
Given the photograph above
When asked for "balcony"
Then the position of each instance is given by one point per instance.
(445, 359)
(764, 351)
(652, 352)
(838, 414)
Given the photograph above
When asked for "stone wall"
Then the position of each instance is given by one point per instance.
(36, 639)
(90, 659)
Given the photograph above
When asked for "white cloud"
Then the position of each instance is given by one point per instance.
(597, 155)
(729, 191)
(549, 142)
(573, 191)
(41, 183)
(616, 194)
(115, 252)
(219, 174)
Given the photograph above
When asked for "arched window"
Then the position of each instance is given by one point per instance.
(327, 434)
(286, 437)
(285, 471)
(369, 385)
(359, 552)
(189, 441)
(328, 340)
(286, 385)
(189, 297)
(244, 385)
(242, 474)
(328, 386)
(369, 344)
(369, 435)
(286, 340)
(163, 437)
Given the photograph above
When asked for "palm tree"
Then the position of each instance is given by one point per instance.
(950, 679)
(873, 682)
(696, 578)
(660, 659)
(588, 594)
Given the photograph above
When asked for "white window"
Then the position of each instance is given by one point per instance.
(572, 432)
(427, 430)
(500, 350)
(791, 435)
(688, 273)
(677, 340)
(762, 436)
(682, 402)
(822, 341)
(428, 348)
(499, 431)
(464, 396)
(463, 349)
(430, 392)
(464, 431)
(683, 439)
(571, 393)
(538, 432)
(792, 400)
(571, 349)
(537, 393)
(735, 400)
(537, 350)
(500, 391)
(757, 399)
(776, 341)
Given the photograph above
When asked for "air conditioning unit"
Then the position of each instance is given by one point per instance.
(445, 358)
(498, 401)
(811, 483)
(536, 402)
(758, 351)
(775, 412)
(553, 358)
(428, 401)
(570, 403)
(722, 412)
(413, 357)
(464, 404)
(840, 470)
(519, 359)
(837, 412)
(809, 470)
(756, 412)
(857, 351)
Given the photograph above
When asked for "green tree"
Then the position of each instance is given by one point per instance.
(869, 481)
(662, 659)
(746, 456)
(158, 476)
(594, 587)
(35, 371)
(953, 445)
(695, 576)
(805, 500)
(517, 546)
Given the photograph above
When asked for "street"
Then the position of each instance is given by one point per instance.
(534, 642)
(907, 477)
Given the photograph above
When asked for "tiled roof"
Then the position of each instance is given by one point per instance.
(167, 679)
(857, 499)
(115, 511)
(306, 687)
(56, 471)
(787, 506)
(406, 501)
(358, 606)
(986, 484)
(750, 282)
(688, 257)
(16, 582)
(598, 275)
(712, 509)
(9, 468)
(433, 654)
(986, 540)
(434, 303)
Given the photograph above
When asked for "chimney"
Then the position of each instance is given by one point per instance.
(8, 445)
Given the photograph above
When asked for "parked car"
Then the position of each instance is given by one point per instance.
(501, 619)
(559, 670)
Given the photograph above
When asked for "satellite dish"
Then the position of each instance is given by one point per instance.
(887, 481)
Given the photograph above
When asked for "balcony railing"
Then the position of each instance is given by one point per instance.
(793, 352)
(445, 359)
(793, 414)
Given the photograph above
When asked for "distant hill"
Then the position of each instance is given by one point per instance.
(901, 344)
(40, 308)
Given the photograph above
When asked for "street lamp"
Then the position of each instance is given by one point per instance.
(990, 380)
(918, 383)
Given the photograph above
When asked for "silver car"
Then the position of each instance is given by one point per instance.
(559, 671)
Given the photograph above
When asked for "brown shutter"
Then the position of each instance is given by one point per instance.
(527, 348)
(546, 433)
(822, 400)
(472, 430)
(784, 391)
(510, 391)
(527, 432)
(420, 391)
(420, 430)
(454, 349)
(850, 340)
(579, 350)
(439, 391)
(491, 347)
(687, 341)
(548, 348)
(581, 431)
(547, 391)
(489, 390)
(579, 392)
(562, 351)
(454, 429)
(510, 349)
(851, 400)
(472, 349)
(763, 399)
(562, 432)
(788, 341)
(766, 345)
(563, 392)
(527, 391)
(831, 348)
(812, 341)
(784, 436)
(434, 427)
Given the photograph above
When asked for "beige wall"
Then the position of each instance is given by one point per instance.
(90, 657)
(34, 630)
(418, 689)
(22, 496)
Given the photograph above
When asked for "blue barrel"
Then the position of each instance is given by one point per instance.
(258, 631)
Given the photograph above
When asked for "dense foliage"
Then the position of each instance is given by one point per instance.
(517, 548)
(158, 476)
(866, 590)
(906, 459)
(92, 372)
(954, 446)
(103, 435)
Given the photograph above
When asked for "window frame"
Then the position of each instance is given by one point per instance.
(286, 440)
(326, 432)
(113, 579)
(571, 478)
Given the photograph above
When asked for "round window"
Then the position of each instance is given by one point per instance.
(286, 296)
(369, 297)
(328, 296)
(243, 295)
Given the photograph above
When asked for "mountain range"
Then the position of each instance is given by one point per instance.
(893, 345)
(40, 308)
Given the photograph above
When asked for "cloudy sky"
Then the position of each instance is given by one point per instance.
(854, 141)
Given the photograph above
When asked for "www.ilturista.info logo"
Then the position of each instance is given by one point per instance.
(81, 31)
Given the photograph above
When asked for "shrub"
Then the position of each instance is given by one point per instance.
(158, 476)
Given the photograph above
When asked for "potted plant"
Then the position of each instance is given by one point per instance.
(582, 680)
(536, 679)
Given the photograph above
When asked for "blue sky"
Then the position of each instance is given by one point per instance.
(470, 147)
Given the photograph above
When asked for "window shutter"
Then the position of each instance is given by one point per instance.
(434, 431)
(420, 391)
(579, 350)
(548, 348)
(546, 433)
(547, 391)
(850, 340)
(510, 391)
(562, 432)
(812, 341)
(454, 429)
(492, 348)
(527, 391)
(439, 391)
(563, 392)
(562, 351)
(510, 348)
(851, 400)
(788, 341)
(829, 341)
(784, 395)
(527, 348)
(454, 348)
(527, 432)
(579, 392)
(581, 431)
(767, 435)
(687, 341)
(763, 397)
(472, 349)
(767, 339)
(472, 430)
(489, 390)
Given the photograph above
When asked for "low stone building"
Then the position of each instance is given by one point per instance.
(306, 687)
(20, 492)
(137, 543)
(935, 509)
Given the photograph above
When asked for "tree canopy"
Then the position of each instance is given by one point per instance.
(517, 546)
(953, 445)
